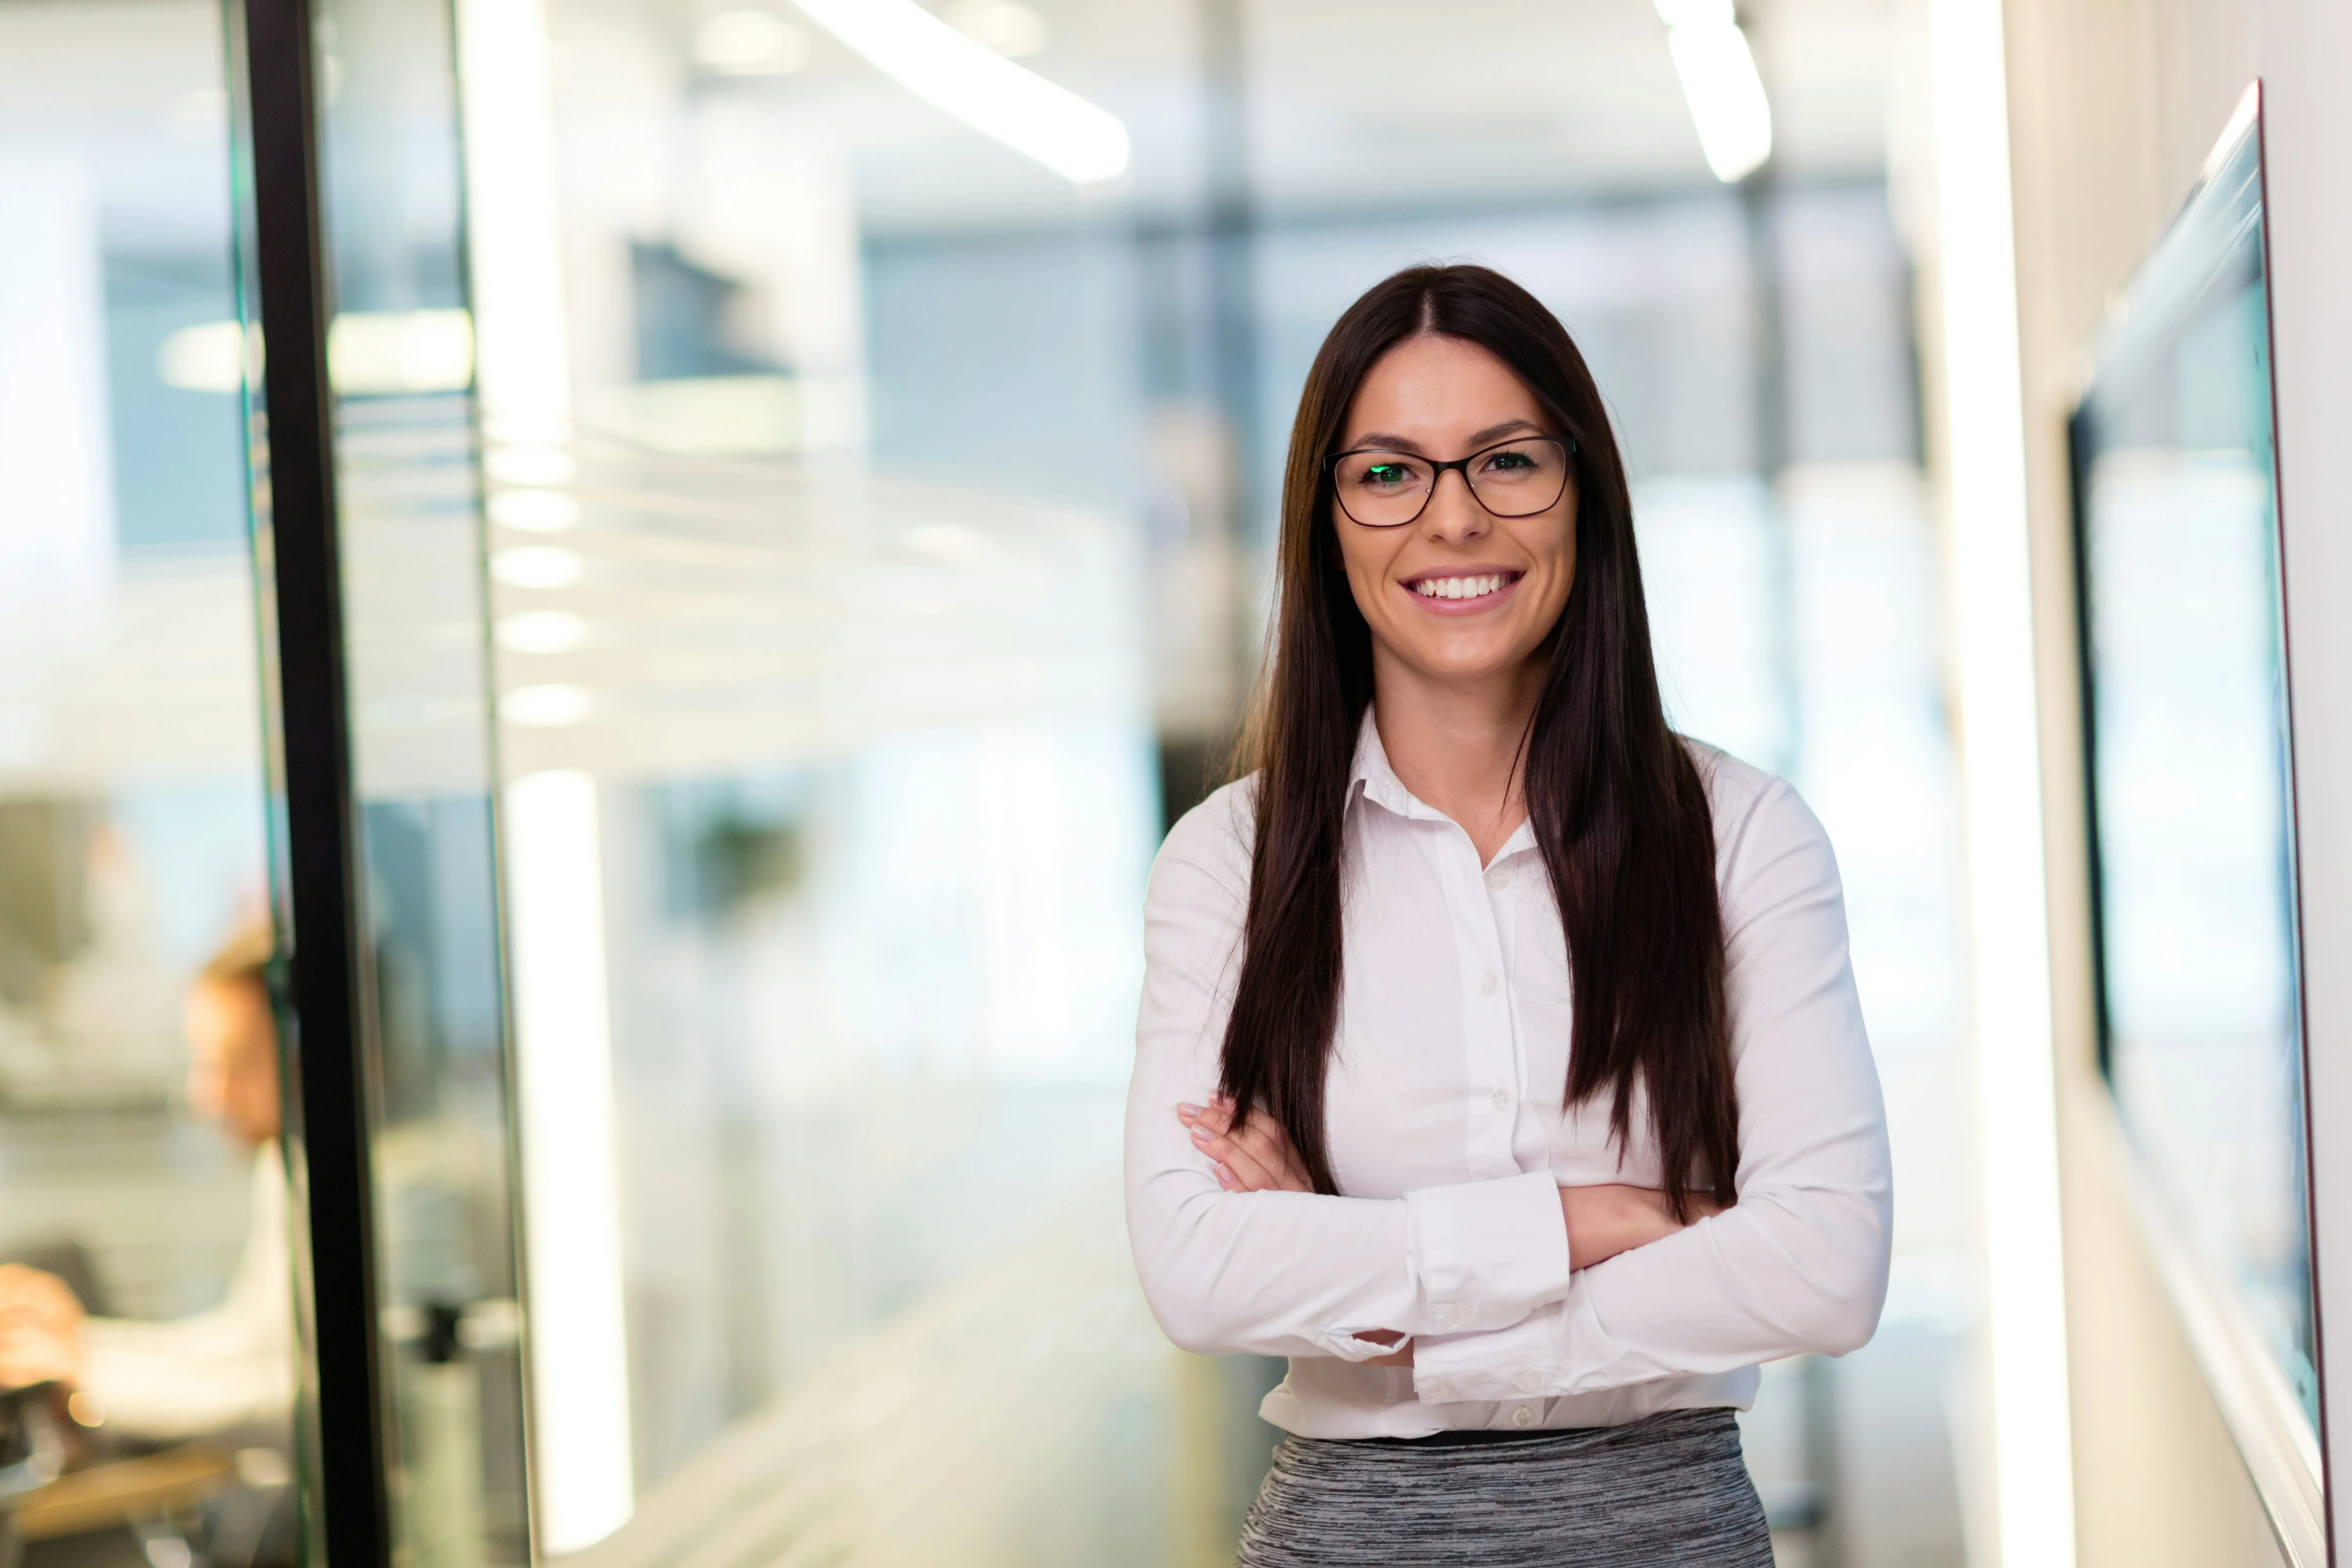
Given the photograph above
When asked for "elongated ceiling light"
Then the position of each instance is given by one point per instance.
(1721, 82)
(1076, 139)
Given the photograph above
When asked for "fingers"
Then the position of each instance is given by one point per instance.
(1214, 1115)
(32, 1300)
(29, 1356)
(1248, 1170)
(1255, 1158)
(31, 1291)
(1271, 1146)
(1269, 1149)
(1208, 1124)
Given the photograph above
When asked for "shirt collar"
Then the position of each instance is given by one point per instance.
(1374, 780)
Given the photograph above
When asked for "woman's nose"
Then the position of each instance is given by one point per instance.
(1454, 512)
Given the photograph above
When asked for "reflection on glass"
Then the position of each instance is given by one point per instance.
(402, 356)
(828, 730)
(142, 1196)
(857, 812)
(2190, 762)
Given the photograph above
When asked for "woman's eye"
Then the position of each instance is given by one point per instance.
(1387, 475)
(1510, 462)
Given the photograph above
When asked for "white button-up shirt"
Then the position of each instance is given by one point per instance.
(1448, 1137)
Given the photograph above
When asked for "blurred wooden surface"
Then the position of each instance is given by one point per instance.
(120, 1491)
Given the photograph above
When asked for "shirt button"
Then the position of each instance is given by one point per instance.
(1502, 1099)
(1499, 878)
(1522, 1416)
(1488, 983)
(1530, 1381)
(1462, 1312)
(1440, 1388)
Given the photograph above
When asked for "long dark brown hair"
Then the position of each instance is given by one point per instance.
(1619, 809)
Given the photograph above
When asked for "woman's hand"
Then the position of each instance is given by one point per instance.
(40, 1327)
(1255, 1157)
(1604, 1221)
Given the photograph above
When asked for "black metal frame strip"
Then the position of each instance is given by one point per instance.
(322, 863)
(2079, 438)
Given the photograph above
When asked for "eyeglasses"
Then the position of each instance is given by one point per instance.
(1380, 488)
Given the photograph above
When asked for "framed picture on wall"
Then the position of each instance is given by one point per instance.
(2188, 742)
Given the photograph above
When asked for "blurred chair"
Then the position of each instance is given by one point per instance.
(32, 1453)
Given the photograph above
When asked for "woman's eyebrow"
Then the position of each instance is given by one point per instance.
(1388, 443)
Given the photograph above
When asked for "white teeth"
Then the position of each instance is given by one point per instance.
(1458, 587)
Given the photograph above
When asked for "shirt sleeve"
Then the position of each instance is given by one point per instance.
(1800, 1262)
(1293, 1273)
(215, 1370)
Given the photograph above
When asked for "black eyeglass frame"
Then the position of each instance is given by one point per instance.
(1567, 444)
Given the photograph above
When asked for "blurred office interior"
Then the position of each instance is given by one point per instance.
(803, 484)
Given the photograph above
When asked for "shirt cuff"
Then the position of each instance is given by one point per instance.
(1561, 1349)
(1487, 1254)
(1526, 1359)
(1351, 1347)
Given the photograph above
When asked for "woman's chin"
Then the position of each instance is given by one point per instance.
(1465, 661)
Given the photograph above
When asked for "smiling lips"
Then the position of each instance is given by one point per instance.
(1477, 585)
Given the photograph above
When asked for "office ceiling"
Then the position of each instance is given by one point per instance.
(1349, 107)
(1361, 106)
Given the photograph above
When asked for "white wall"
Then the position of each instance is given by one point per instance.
(2113, 106)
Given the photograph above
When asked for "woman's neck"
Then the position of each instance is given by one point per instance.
(1455, 744)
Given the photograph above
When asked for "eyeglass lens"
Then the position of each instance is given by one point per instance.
(1387, 490)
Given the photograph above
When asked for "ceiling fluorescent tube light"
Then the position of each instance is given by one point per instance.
(1720, 82)
(1020, 109)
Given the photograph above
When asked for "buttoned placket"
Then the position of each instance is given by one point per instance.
(1507, 891)
(1485, 904)
(1480, 902)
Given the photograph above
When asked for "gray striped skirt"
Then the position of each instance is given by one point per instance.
(1668, 1491)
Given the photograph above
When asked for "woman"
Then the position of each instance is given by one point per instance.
(1524, 1254)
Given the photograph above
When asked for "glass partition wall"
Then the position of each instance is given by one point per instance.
(796, 512)
(369, 506)
(824, 646)
(142, 1190)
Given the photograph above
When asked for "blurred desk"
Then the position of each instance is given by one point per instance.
(122, 1490)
